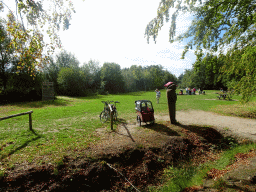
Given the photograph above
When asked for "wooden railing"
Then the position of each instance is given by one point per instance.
(19, 114)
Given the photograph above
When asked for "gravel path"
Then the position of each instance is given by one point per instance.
(245, 128)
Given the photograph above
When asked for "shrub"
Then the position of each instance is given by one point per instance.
(72, 82)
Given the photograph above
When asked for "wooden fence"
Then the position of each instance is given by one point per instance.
(30, 117)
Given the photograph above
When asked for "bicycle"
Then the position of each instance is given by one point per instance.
(105, 114)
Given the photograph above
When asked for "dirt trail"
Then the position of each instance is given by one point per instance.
(241, 127)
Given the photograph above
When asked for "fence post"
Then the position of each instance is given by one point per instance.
(19, 114)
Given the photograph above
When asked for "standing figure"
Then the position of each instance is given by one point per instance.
(172, 98)
(194, 91)
(158, 95)
(189, 91)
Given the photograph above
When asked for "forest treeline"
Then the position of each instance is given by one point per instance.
(74, 79)
(71, 78)
(233, 70)
(25, 59)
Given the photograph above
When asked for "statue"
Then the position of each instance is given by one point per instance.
(172, 98)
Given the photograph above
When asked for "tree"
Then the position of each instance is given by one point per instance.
(138, 78)
(236, 19)
(216, 26)
(129, 79)
(72, 81)
(158, 77)
(157, 73)
(5, 55)
(27, 42)
(180, 78)
(111, 75)
(15, 80)
(62, 60)
(187, 80)
(139, 75)
(239, 71)
(207, 72)
(169, 77)
(92, 69)
(66, 59)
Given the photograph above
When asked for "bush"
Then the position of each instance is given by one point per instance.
(72, 82)
(22, 87)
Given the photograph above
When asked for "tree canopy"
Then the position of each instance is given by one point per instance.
(216, 23)
(27, 24)
(112, 78)
(217, 26)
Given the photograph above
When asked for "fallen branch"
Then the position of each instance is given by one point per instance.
(123, 176)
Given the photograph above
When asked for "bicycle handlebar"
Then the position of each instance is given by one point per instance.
(108, 102)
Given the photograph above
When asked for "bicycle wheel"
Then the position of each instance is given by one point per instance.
(115, 115)
(103, 117)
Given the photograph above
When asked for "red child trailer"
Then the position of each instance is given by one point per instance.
(145, 111)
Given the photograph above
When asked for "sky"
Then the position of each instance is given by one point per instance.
(113, 31)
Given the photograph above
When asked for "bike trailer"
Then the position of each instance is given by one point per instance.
(145, 111)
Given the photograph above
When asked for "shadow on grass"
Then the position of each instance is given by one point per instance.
(161, 129)
(55, 102)
(90, 97)
(156, 127)
(40, 104)
(124, 124)
(134, 94)
(120, 121)
(139, 93)
(22, 146)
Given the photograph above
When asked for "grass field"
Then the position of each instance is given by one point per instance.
(66, 126)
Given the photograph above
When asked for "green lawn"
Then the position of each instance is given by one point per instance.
(66, 125)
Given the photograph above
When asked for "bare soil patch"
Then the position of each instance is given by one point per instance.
(133, 155)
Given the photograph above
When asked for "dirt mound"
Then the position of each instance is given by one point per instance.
(139, 166)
